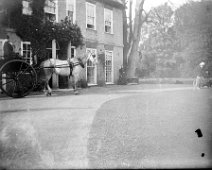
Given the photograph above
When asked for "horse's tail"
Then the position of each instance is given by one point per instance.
(46, 69)
(48, 64)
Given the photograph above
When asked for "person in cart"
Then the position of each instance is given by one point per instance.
(8, 49)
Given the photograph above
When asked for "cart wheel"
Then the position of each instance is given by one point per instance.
(17, 78)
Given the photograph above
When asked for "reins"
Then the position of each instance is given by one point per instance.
(61, 65)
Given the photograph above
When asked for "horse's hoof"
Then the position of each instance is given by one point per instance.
(48, 94)
(76, 92)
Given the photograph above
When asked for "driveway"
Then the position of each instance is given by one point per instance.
(67, 131)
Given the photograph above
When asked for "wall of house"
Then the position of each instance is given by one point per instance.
(99, 39)
(61, 10)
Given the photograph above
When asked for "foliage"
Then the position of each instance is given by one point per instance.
(175, 42)
(159, 43)
(37, 29)
(193, 28)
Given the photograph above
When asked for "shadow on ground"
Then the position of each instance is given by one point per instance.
(20, 149)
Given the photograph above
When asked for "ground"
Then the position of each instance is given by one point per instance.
(139, 126)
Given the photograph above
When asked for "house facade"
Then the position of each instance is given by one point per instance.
(102, 28)
(101, 23)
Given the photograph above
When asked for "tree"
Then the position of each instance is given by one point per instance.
(132, 32)
(158, 42)
(172, 42)
(158, 23)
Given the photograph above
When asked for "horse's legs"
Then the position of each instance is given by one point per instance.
(74, 85)
(44, 88)
(47, 90)
(49, 93)
(75, 89)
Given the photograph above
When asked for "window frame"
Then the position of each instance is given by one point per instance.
(50, 7)
(87, 3)
(68, 4)
(112, 70)
(111, 12)
(50, 10)
(26, 10)
(94, 66)
(28, 59)
(74, 50)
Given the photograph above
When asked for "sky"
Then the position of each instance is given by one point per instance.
(148, 4)
(153, 3)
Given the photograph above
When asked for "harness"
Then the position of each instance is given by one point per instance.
(71, 65)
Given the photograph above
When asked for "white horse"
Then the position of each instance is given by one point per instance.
(72, 67)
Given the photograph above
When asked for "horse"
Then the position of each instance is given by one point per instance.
(71, 67)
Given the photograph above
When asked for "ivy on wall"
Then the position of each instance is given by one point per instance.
(37, 29)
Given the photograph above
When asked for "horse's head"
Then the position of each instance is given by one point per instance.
(83, 59)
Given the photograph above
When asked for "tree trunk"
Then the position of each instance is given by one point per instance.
(133, 54)
(125, 41)
(133, 61)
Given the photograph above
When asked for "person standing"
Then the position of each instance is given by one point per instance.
(200, 74)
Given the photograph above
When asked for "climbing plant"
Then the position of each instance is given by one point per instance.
(37, 29)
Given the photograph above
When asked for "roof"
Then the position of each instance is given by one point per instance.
(114, 3)
(117, 1)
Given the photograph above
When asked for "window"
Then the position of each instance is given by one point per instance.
(50, 7)
(91, 69)
(90, 16)
(26, 8)
(108, 66)
(108, 20)
(73, 52)
(70, 9)
(50, 10)
(70, 15)
(50, 17)
(26, 51)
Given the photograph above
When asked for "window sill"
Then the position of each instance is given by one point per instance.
(92, 84)
(90, 29)
(109, 33)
